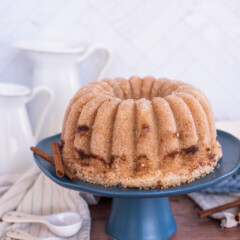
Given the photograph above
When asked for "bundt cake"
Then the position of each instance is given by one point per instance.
(141, 132)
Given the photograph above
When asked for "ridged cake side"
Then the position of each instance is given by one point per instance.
(140, 133)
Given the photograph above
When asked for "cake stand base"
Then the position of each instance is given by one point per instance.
(141, 218)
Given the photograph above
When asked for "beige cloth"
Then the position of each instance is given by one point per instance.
(35, 193)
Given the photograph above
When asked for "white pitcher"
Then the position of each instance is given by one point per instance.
(16, 134)
(55, 66)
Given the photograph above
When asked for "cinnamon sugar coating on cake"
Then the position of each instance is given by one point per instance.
(141, 132)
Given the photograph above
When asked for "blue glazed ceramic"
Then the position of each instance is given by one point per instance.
(141, 219)
(145, 214)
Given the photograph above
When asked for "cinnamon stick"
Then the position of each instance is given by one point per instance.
(237, 217)
(210, 211)
(45, 156)
(70, 175)
(57, 159)
(42, 154)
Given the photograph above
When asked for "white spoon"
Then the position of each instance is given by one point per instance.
(21, 234)
(64, 224)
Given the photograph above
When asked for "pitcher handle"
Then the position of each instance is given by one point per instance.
(41, 114)
(97, 47)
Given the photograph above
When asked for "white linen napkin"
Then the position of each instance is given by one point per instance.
(34, 193)
(210, 200)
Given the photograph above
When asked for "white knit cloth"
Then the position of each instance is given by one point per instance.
(35, 193)
(209, 200)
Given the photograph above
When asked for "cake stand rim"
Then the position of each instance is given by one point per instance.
(119, 192)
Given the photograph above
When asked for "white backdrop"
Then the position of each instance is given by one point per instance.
(194, 41)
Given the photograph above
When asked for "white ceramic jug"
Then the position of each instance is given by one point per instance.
(55, 66)
(16, 134)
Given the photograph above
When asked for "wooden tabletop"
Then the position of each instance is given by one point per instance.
(189, 225)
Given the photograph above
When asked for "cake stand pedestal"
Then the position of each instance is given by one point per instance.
(141, 218)
(145, 214)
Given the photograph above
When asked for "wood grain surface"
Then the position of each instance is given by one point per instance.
(190, 226)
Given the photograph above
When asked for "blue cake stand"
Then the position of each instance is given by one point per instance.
(139, 214)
